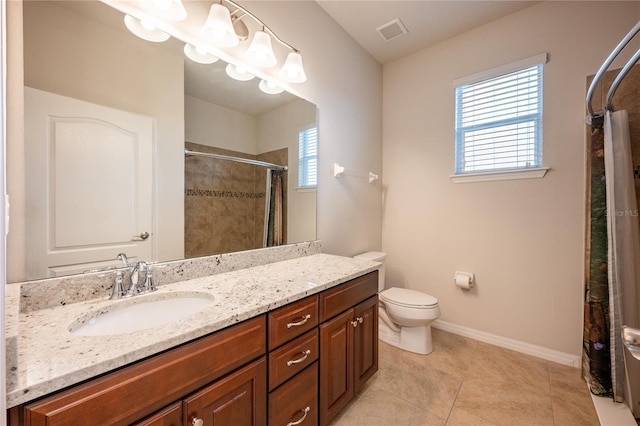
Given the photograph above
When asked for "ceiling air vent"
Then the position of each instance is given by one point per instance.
(392, 30)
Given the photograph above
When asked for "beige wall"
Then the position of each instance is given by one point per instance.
(523, 239)
(214, 125)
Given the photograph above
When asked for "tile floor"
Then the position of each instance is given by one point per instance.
(467, 382)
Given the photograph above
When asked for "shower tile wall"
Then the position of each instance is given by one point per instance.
(224, 201)
(626, 97)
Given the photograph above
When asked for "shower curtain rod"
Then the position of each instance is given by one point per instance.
(236, 159)
(630, 35)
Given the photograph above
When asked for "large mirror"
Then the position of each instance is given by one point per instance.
(107, 119)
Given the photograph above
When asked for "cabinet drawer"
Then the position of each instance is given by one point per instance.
(292, 320)
(296, 401)
(147, 386)
(347, 295)
(291, 358)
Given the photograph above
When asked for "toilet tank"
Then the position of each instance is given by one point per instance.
(376, 256)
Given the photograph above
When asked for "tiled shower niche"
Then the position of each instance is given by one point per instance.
(225, 201)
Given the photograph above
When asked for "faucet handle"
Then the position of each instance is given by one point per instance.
(149, 285)
(118, 288)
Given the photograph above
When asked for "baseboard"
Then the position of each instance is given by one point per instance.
(515, 345)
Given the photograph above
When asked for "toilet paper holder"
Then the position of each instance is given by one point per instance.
(464, 279)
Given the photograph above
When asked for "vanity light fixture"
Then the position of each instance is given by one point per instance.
(223, 29)
(170, 10)
(292, 70)
(239, 73)
(260, 52)
(269, 87)
(218, 27)
(145, 29)
(199, 54)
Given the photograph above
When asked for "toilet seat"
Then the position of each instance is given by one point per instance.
(408, 298)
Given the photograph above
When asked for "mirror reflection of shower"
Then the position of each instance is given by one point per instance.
(234, 201)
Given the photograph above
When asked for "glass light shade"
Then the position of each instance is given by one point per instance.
(145, 29)
(270, 87)
(260, 53)
(238, 73)
(218, 27)
(170, 10)
(199, 55)
(292, 70)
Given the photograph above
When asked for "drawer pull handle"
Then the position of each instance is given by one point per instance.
(304, 416)
(304, 356)
(301, 322)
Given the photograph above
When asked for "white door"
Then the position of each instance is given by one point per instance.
(89, 185)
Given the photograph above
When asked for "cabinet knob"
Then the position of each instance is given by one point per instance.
(360, 320)
(354, 323)
(305, 411)
(301, 322)
(197, 422)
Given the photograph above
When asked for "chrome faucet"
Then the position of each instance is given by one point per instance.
(125, 261)
(136, 287)
(140, 277)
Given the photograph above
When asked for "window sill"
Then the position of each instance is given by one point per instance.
(533, 173)
(306, 188)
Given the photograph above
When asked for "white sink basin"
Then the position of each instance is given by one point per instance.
(139, 313)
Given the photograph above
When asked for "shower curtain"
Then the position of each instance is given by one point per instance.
(623, 239)
(275, 235)
(612, 295)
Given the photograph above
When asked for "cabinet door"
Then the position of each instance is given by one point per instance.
(365, 352)
(168, 416)
(336, 365)
(239, 399)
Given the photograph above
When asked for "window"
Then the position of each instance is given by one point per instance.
(499, 120)
(308, 157)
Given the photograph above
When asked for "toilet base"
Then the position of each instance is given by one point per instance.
(412, 339)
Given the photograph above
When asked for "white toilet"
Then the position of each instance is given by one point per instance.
(405, 316)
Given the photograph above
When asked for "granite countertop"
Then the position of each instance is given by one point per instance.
(43, 356)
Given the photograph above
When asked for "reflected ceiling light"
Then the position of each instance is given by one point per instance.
(218, 28)
(260, 52)
(171, 10)
(292, 70)
(145, 29)
(270, 87)
(199, 54)
(238, 73)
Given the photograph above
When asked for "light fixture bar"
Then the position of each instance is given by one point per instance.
(260, 22)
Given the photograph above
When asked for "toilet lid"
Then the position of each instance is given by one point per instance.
(407, 297)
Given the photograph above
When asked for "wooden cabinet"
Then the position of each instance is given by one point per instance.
(143, 388)
(348, 342)
(168, 416)
(238, 399)
(299, 365)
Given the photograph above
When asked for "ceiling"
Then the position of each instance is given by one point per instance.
(428, 21)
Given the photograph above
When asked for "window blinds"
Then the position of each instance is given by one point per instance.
(308, 157)
(499, 122)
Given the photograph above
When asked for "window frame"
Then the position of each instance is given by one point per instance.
(305, 158)
(520, 172)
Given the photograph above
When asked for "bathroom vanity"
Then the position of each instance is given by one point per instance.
(285, 343)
